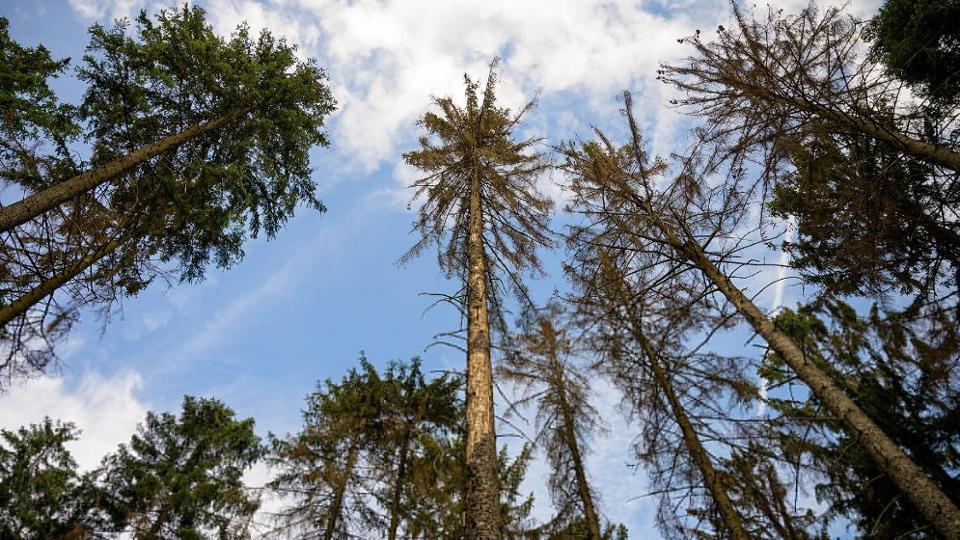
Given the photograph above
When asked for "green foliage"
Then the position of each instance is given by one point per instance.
(919, 42)
(41, 494)
(869, 219)
(899, 371)
(33, 122)
(181, 477)
(204, 197)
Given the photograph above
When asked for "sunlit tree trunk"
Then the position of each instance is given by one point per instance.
(483, 494)
(398, 488)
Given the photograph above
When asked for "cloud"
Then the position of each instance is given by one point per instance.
(105, 408)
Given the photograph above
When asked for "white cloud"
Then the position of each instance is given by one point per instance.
(105, 409)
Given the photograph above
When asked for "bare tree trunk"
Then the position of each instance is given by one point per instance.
(397, 489)
(583, 486)
(22, 211)
(931, 502)
(483, 482)
(699, 454)
(48, 287)
(340, 490)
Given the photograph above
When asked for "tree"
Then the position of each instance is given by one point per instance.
(414, 410)
(197, 143)
(319, 467)
(787, 96)
(480, 205)
(919, 44)
(181, 477)
(41, 493)
(618, 293)
(905, 376)
(671, 220)
(542, 368)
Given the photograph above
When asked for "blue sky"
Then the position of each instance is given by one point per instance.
(300, 308)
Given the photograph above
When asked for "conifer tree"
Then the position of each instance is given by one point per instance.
(480, 206)
(197, 143)
(181, 475)
(676, 223)
(542, 366)
(41, 493)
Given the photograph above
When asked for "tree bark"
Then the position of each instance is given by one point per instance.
(483, 482)
(32, 206)
(340, 490)
(48, 287)
(583, 486)
(731, 519)
(929, 500)
(397, 489)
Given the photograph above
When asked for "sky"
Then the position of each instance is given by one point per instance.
(301, 308)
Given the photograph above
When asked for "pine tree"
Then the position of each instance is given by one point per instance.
(480, 205)
(181, 476)
(672, 223)
(542, 366)
(198, 142)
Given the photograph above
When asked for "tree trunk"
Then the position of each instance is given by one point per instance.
(697, 452)
(931, 153)
(919, 489)
(397, 489)
(929, 500)
(30, 207)
(583, 486)
(48, 287)
(340, 490)
(483, 482)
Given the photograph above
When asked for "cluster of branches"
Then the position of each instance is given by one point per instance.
(194, 143)
(813, 119)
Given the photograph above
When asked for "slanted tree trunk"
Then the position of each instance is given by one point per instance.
(483, 482)
(49, 286)
(731, 519)
(928, 499)
(42, 201)
(340, 491)
(583, 486)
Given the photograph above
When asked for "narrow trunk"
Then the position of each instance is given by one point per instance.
(697, 452)
(48, 287)
(397, 489)
(30, 207)
(483, 482)
(583, 486)
(340, 491)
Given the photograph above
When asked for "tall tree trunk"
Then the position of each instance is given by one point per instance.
(398, 488)
(48, 287)
(30, 207)
(931, 502)
(340, 491)
(583, 486)
(731, 519)
(483, 482)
